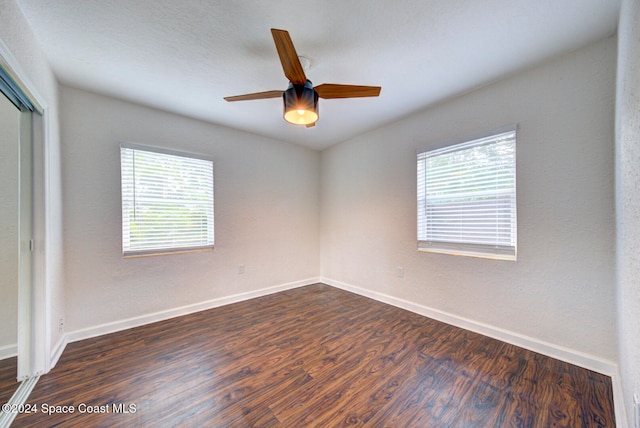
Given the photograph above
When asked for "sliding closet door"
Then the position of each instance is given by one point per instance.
(26, 239)
(9, 225)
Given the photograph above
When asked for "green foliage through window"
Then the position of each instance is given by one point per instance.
(167, 201)
(467, 197)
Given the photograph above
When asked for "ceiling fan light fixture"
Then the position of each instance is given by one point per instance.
(300, 104)
(301, 98)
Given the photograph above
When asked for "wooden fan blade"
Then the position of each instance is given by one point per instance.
(332, 90)
(255, 96)
(288, 57)
(311, 125)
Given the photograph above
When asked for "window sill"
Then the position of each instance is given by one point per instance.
(467, 253)
(167, 252)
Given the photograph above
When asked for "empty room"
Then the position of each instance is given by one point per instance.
(318, 214)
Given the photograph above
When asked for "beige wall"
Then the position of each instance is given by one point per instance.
(266, 213)
(561, 290)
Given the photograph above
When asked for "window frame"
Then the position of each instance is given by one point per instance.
(470, 249)
(166, 250)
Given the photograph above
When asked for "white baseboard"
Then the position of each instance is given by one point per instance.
(8, 351)
(125, 324)
(618, 400)
(58, 350)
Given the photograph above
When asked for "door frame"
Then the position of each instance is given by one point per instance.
(34, 336)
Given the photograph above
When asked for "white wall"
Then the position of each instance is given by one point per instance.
(9, 142)
(628, 200)
(17, 36)
(561, 290)
(266, 213)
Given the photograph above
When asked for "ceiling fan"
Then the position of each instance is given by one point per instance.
(301, 97)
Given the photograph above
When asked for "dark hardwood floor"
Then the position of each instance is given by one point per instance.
(314, 356)
(8, 375)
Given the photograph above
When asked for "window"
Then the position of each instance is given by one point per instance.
(467, 198)
(167, 201)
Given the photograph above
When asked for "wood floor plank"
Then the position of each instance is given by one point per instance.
(8, 375)
(315, 356)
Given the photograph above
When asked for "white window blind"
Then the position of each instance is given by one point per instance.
(167, 201)
(467, 198)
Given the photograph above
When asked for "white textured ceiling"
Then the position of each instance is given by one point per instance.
(184, 56)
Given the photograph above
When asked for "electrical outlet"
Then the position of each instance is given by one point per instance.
(61, 325)
(240, 269)
(400, 272)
